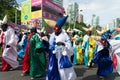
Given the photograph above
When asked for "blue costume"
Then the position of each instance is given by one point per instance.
(55, 52)
(102, 57)
(22, 44)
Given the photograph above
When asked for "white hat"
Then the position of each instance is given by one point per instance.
(5, 19)
(61, 38)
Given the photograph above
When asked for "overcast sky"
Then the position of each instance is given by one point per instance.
(107, 10)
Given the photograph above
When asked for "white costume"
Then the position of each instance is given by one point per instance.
(10, 54)
(65, 73)
(116, 52)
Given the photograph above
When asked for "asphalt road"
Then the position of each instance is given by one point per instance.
(83, 73)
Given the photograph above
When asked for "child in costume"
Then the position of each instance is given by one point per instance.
(78, 54)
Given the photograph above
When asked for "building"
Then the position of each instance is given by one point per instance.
(95, 20)
(73, 12)
(59, 2)
(80, 19)
(116, 22)
(32, 10)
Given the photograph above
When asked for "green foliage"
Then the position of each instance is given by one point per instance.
(77, 26)
(9, 7)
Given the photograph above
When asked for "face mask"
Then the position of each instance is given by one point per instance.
(59, 48)
(103, 42)
(57, 30)
(4, 27)
(89, 33)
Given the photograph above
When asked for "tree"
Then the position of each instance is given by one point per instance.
(8, 7)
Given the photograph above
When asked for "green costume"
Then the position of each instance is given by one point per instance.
(37, 57)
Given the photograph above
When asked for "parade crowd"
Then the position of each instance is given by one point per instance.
(54, 55)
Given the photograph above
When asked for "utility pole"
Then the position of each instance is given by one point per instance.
(15, 16)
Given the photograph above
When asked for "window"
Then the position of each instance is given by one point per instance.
(47, 9)
(36, 8)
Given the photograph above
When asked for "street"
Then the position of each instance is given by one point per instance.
(83, 73)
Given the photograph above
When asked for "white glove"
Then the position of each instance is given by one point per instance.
(54, 51)
(64, 53)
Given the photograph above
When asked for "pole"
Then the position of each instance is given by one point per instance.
(15, 16)
(69, 18)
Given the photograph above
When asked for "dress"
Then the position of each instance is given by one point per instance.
(77, 48)
(22, 44)
(103, 59)
(26, 59)
(10, 54)
(78, 55)
(5, 65)
(37, 57)
(89, 46)
(115, 52)
(60, 73)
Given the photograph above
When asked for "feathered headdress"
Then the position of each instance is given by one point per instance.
(88, 29)
(117, 29)
(51, 23)
(68, 29)
(4, 21)
(43, 29)
(106, 35)
(100, 32)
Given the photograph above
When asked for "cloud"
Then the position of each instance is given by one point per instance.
(107, 10)
(65, 3)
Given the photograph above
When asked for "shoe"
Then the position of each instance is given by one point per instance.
(24, 74)
(32, 78)
(101, 77)
(11, 69)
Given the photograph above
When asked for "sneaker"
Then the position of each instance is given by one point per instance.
(101, 77)
(32, 78)
(11, 69)
(23, 74)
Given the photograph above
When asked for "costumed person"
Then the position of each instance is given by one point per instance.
(102, 57)
(45, 42)
(5, 65)
(9, 55)
(22, 44)
(37, 56)
(78, 54)
(115, 52)
(88, 46)
(26, 59)
(60, 47)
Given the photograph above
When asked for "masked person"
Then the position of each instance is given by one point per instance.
(88, 46)
(9, 55)
(60, 45)
(37, 56)
(22, 44)
(26, 59)
(103, 55)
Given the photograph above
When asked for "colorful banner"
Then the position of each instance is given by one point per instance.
(37, 14)
(36, 2)
(26, 11)
(53, 6)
